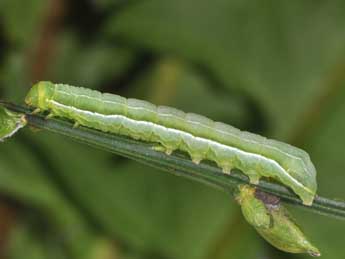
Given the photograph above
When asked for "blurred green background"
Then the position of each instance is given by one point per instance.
(272, 67)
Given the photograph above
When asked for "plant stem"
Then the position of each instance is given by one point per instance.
(177, 163)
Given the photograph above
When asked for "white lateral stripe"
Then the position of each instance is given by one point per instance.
(186, 134)
(220, 131)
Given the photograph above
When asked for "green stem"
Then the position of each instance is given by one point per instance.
(177, 163)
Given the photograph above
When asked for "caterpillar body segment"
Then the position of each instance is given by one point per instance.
(200, 137)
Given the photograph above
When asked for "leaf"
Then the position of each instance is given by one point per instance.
(326, 143)
(89, 64)
(28, 183)
(25, 242)
(10, 123)
(278, 52)
(21, 19)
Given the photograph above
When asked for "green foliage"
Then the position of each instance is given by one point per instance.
(276, 68)
(10, 123)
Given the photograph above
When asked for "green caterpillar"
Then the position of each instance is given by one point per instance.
(173, 129)
(272, 221)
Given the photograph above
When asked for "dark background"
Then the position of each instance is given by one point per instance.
(272, 67)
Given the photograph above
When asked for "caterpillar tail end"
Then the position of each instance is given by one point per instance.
(307, 197)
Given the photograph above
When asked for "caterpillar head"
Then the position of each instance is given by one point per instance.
(39, 95)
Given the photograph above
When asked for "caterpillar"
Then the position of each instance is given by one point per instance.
(272, 221)
(171, 129)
